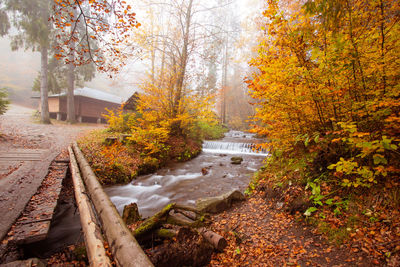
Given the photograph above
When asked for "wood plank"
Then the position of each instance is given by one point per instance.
(34, 223)
(22, 155)
(31, 232)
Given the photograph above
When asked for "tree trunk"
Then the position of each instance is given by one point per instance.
(224, 83)
(70, 92)
(183, 60)
(71, 116)
(44, 101)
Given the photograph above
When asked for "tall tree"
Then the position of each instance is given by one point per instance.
(186, 36)
(31, 18)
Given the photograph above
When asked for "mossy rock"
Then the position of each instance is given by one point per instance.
(236, 160)
(219, 203)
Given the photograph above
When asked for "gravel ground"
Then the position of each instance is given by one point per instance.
(19, 179)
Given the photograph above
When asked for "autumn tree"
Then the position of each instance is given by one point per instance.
(327, 78)
(181, 39)
(91, 32)
(30, 18)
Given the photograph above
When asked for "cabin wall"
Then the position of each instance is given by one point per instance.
(89, 107)
(86, 109)
(54, 104)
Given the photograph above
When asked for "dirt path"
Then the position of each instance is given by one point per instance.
(35, 145)
(260, 233)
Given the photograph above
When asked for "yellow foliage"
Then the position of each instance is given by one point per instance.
(327, 65)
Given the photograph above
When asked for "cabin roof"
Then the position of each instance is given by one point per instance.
(95, 94)
(132, 101)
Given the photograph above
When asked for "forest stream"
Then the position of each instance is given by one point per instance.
(209, 174)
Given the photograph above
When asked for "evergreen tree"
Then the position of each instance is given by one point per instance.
(31, 19)
(3, 100)
(57, 80)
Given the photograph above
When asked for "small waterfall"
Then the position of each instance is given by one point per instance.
(239, 134)
(233, 148)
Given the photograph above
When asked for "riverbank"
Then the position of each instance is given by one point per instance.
(116, 160)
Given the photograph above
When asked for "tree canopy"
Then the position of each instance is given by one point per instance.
(327, 81)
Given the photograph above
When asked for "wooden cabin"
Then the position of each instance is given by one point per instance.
(90, 104)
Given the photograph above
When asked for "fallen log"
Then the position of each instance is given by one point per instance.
(166, 233)
(164, 217)
(93, 239)
(124, 247)
(153, 222)
(152, 225)
(218, 242)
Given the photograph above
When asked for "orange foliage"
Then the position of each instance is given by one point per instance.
(329, 70)
(109, 23)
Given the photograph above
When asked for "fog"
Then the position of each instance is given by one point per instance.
(18, 69)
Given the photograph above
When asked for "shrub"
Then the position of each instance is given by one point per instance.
(210, 130)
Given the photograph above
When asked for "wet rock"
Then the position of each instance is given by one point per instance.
(236, 160)
(204, 171)
(219, 203)
(223, 155)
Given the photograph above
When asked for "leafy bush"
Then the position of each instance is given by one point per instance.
(112, 164)
(210, 131)
(120, 122)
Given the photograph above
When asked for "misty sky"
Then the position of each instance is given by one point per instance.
(19, 68)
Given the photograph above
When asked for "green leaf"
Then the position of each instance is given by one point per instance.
(329, 201)
(306, 142)
(309, 211)
(337, 211)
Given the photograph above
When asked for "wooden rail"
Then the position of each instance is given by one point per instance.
(124, 247)
(93, 239)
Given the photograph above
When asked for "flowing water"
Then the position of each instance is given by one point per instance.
(181, 182)
(185, 182)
